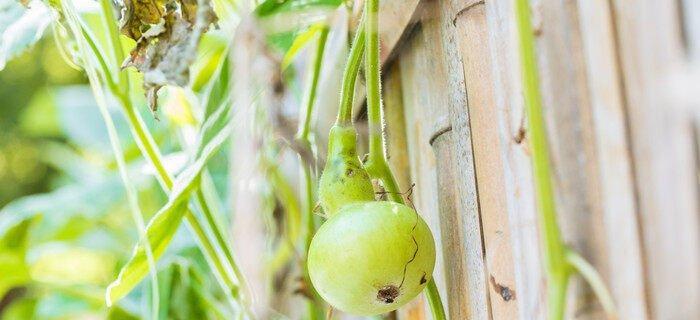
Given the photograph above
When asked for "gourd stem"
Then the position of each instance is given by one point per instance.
(377, 165)
(352, 68)
(373, 79)
(434, 301)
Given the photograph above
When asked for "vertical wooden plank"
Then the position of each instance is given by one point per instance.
(650, 50)
(460, 218)
(426, 94)
(625, 270)
(512, 140)
(480, 114)
(461, 306)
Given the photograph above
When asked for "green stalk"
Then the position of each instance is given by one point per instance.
(538, 140)
(377, 165)
(352, 68)
(114, 41)
(555, 264)
(302, 137)
(434, 301)
(560, 261)
(310, 94)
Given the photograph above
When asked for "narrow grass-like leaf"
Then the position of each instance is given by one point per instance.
(167, 220)
(218, 89)
(300, 41)
(288, 18)
(272, 7)
(213, 125)
(159, 232)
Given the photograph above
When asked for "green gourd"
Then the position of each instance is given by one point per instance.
(343, 180)
(371, 257)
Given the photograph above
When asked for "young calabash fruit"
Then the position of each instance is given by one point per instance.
(371, 257)
(343, 180)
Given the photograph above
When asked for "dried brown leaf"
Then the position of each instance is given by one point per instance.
(167, 35)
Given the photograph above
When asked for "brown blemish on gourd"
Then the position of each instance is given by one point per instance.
(388, 294)
(423, 279)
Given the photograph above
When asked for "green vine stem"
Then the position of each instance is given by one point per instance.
(377, 165)
(352, 68)
(559, 260)
(303, 137)
(227, 271)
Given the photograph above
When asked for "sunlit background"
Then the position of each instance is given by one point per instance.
(72, 229)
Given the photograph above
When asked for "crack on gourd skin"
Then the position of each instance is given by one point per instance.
(415, 253)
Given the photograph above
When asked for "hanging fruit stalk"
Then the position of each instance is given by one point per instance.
(370, 257)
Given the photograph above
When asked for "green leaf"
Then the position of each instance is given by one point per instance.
(13, 248)
(64, 264)
(213, 49)
(21, 309)
(166, 221)
(14, 232)
(21, 27)
(57, 305)
(276, 16)
(215, 128)
(91, 199)
(300, 41)
(181, 302)
(159, 232)
(219, 88)
(81, 121)
(272, 7)
(40, 117)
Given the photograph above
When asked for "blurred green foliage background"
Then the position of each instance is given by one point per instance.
(29, 120)
(65, 226)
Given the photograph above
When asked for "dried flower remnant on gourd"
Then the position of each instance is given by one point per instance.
(167, 34)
